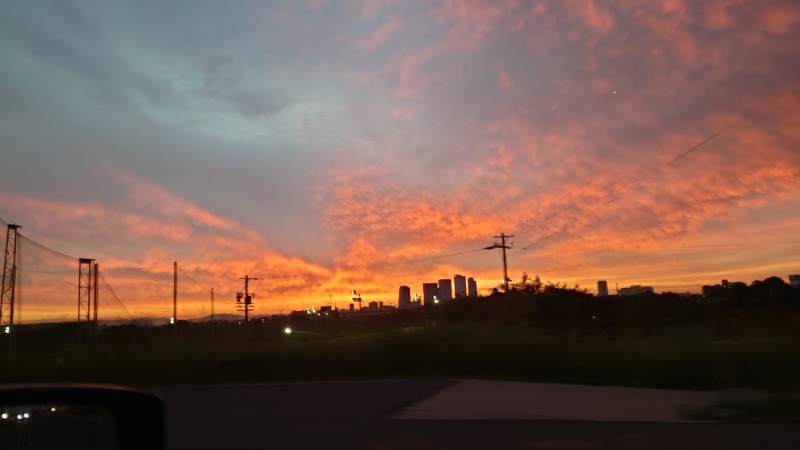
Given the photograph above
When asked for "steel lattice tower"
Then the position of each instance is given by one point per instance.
(9, 277)
(87, 289)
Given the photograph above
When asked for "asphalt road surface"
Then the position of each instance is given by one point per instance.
(441, 414)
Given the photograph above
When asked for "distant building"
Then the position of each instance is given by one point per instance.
(376, 308)
(430, 292)
(794, 280)
(636, 289)
(460, 286)
(472, 287)
(602, 288)
(445, 289)
(404, 298)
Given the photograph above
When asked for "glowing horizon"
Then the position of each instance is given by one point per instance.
(649, 143)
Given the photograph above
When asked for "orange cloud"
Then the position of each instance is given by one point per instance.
(559, 122)
(779, 20)
(593, 16)
(152, 228)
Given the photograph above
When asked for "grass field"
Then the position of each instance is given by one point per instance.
(705, 351)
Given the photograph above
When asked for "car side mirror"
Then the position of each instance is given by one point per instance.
(64, 416)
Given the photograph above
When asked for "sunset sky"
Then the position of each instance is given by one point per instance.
(341, 145)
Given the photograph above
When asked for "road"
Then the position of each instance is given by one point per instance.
(441, 414)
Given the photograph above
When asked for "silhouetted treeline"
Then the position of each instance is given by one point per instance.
(770, 292)
(764, 308)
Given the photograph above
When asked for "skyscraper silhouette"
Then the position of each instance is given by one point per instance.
(460, 286)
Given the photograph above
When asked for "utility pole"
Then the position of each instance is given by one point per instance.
(174, 319)
(244, 300)
(95, 329)
(175, 292)
(213, 320)
(96, 274)
(502, 245)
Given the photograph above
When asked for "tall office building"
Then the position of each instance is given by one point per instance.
(602, 288)
(430, 291)
(794, 280)
(445, 289)
(472, 287)
(404, 297)
(460, 286)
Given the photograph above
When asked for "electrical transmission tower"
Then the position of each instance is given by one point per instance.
(502, 245)
(244, 300)
(9, 277)
(87, 290)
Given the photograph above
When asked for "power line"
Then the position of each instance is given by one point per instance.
(190, 277)
(216, 294)
(114, 295)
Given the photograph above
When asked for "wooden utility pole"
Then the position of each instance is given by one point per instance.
(175, 292)
(96, 296)
(503, 246)
(244, 300)
(213, 320)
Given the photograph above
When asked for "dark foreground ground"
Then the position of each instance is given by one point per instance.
(361, 415)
